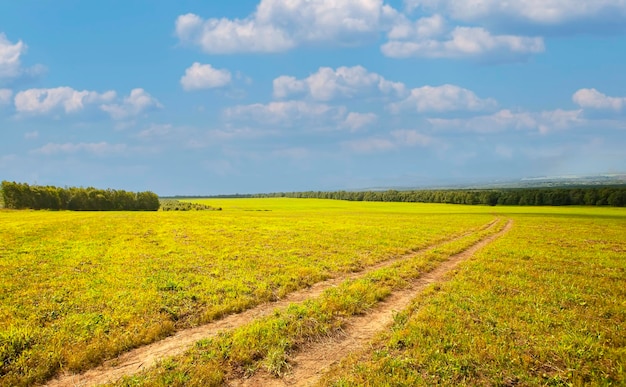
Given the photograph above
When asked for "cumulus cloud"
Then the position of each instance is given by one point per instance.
(10, 63)
(138, 102)
(204, 76)
(344, 82)
(99, 148)
(355, 121)
(428, 37)
(426, 27)
(43, 101)
(281, 25)
(10, 53)
(5, 96)
(544, 122)
(547, 12)
(444, 98)
(301, 114)
(593, 99)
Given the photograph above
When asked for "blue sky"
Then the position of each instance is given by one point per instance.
(209, 97)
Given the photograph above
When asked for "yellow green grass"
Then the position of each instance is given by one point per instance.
(543, 305)
(267, 342)
(77, 288)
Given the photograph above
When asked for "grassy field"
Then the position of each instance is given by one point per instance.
(266, 343)
(544, 305)
(77, 288)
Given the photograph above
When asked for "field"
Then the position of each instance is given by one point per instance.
(541, 303)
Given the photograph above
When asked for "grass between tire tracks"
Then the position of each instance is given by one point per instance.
(268, 342)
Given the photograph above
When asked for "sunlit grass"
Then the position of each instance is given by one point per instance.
(544, 305)
(267, 342)
(78, 288)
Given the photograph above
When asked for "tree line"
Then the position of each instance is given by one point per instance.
(585, 196)
(25, 196)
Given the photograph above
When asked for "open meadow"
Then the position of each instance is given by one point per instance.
(541, 301)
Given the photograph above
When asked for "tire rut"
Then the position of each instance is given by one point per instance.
(145, 357)
(312, 362)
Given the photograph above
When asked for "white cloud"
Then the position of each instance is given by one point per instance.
(42, 101)
(559, 119)
(344, 82)
(224, 36)
(547, 12)
(444, 98)
(423, 28)
(544, 122)
(299, 114)
(5, 96)
(204, 76)
(99, 148)
(396, 139)
(287, 112)
(10, 63)
(138, 102)
(10, 53)
(356, 121)
(421, 40)
(281, 25)
(593, 99)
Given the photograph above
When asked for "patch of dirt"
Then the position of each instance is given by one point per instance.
(142, 358)
(311, 363)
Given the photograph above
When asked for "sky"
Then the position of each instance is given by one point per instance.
(216, 97)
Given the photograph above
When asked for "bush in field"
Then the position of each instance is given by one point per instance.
(175, 205)
(21, 196)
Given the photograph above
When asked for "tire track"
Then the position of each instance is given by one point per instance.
(145, 357)
(312, 362)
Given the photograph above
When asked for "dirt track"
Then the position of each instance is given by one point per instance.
(145, 357)
(311, 363)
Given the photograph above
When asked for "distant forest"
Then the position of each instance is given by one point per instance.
(584, 196)
(24, 196)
